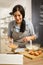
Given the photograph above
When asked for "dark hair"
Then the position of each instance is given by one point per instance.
(19, 8)
(22, 27)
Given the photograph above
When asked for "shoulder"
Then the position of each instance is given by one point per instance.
(12, 23)
(28, 22)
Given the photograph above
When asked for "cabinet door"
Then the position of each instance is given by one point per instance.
(37, 19)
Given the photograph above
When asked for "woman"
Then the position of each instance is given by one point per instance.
(20, 26)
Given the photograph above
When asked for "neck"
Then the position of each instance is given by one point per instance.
(18, 24)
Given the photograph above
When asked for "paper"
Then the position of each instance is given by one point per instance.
(20, 50)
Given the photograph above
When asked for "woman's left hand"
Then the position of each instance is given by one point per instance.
(26, 39)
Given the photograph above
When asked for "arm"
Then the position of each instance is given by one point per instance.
(9, 33)
(32, 33)
(28, 38)
(33, 37)
(9, 30)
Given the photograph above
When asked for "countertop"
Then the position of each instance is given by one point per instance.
(26, 61)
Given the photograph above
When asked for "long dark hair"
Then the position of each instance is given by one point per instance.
(23, 26)
(19, 8)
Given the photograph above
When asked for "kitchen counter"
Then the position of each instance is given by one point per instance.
(38, 61)
(26, 61)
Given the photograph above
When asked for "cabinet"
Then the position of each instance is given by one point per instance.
(37, 19)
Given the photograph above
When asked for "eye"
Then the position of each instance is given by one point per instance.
(15, 16)
(19, 15)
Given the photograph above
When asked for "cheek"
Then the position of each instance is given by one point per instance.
(21, 18)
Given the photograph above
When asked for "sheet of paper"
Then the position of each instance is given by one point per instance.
(20, 50)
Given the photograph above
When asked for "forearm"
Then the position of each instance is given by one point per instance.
(10, 39)
(33, 37)
(28, 38)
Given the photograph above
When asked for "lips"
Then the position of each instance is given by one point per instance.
(17, 20)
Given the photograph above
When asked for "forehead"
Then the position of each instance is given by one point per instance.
(17, 12)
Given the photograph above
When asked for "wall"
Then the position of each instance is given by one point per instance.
(4, 12)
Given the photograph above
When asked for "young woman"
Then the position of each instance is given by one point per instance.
(20, 26)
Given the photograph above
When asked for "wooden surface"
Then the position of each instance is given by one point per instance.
(38, 61)
(31, 56)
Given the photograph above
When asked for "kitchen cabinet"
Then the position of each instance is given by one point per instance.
(37, 19)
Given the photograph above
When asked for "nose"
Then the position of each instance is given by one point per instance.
(17, 17)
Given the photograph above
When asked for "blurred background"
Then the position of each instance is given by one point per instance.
(33, 12)
(5, 8)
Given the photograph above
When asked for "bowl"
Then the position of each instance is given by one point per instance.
(13, 46)
(32, 47)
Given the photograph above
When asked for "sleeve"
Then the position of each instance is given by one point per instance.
(9, 30)
(31, 28)
(32, 32)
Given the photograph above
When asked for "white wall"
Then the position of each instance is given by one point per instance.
(4, 12)
(28, 9)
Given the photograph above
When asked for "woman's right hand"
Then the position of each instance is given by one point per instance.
(10, 40)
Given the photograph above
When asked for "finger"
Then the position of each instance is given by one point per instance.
(25, 40)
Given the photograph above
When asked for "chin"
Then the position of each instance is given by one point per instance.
(18, 22)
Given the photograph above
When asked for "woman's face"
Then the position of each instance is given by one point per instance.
(18, 17)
